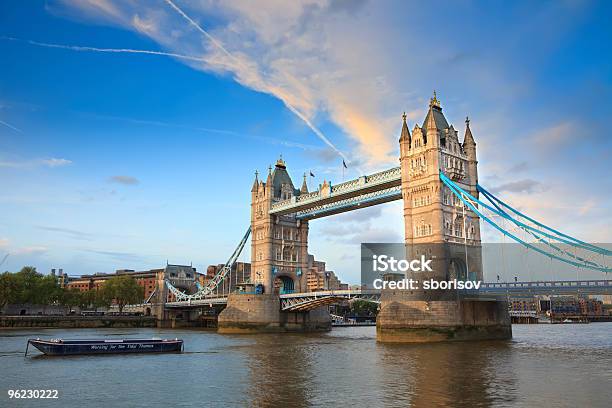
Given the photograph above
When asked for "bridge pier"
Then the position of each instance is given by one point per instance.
(406, 317)
(261, 313)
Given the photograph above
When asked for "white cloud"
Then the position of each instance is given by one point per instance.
(19, 164)
(127, 180)
(53, 162)
(8, 125)
(30, 250)
(554, 136)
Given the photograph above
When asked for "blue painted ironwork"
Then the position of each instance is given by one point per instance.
(495, 201)
(329, 194)
(364, 200)
(472, 203)
(296, 301)
(217, 280)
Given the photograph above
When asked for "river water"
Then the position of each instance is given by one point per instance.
(542, 366)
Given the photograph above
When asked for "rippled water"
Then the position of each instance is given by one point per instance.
(544, 365)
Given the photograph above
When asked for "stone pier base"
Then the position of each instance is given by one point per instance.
(262, 314)
(404, 319)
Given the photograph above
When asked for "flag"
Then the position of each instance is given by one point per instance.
(344, 164)
(311, 174)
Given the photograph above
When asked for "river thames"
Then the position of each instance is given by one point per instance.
(543, 365)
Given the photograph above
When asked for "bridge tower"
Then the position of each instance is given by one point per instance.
(439, 226)
(279, 244)
(434, 219)
(279, 262)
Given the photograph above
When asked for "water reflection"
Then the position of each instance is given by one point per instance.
(544, 365)
(293, 370)
(446, 374)
(279, 370)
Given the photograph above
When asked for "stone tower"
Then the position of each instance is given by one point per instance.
(436, 221)
(439, 226)
(279, 262)
(279, 244)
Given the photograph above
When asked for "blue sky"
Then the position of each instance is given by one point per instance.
(125, 160)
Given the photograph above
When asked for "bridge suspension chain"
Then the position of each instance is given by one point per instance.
(542, 233)
(216, 281)
(559, 235)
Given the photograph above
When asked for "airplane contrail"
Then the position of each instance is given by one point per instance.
(4, 259)
(110, 50)
(10, 126)
(229, 54)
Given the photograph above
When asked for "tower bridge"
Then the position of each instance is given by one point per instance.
(442, 208)
(312, 300)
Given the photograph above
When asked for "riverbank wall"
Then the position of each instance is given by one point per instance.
(76, 322)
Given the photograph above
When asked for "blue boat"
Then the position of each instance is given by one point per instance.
(59, 347)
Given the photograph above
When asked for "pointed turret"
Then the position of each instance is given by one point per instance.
(268, 183)
(469, 148)
(468, 140)
(269, 179)
(304, 189)
(405, 139)
(434, 121)
(405, 135)
(430, 119)
(255, 183)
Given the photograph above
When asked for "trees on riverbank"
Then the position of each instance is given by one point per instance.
(31, 287)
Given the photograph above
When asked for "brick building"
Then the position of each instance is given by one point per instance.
(180, 275)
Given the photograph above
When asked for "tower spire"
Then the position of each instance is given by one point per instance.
(434, 102)
(468, 140)
(430, 119)
(405, 135)
(269, 179)
(256, 182)
(304, 189)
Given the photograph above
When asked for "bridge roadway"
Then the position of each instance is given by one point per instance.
(330, 199)
(312, 300)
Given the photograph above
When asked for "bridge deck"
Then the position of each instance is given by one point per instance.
(310, 300)
(361, 192)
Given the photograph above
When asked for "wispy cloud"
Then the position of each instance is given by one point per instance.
(126, 180)
(52, 163)
(30, 250)
(519, 186)
(553, 136)
(519, 167)
(120, 256)
(10, 126)
(274, 78)
(266, 139)
(27, 250)
(249, 70)
(109, 50)
(67, 231)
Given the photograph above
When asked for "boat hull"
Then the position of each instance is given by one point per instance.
(77, 347)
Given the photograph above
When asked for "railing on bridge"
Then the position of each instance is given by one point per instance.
(311, 300)
(364, 185)
(592, 286)
(211, 288)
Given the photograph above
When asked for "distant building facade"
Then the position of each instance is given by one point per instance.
(241, 273)
(181, 276)
(319, 278)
